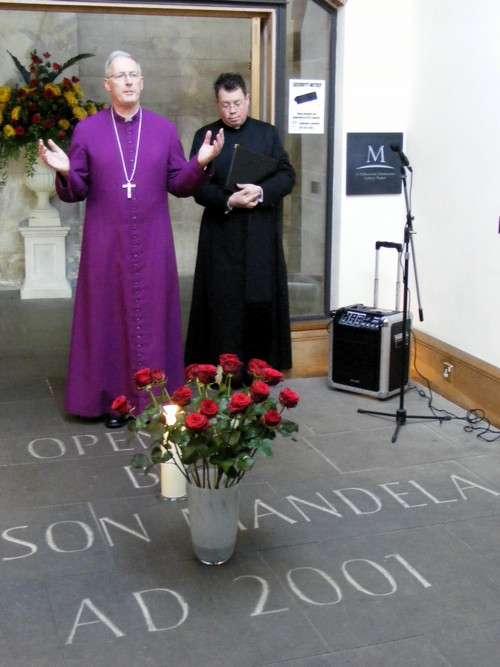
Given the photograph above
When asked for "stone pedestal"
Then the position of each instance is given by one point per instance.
(45, 259)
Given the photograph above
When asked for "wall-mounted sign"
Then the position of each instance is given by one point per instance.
(372, 167)
(306, 113)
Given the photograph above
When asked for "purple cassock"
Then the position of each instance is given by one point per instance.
(127, 308)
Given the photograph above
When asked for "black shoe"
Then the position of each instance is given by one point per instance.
(114, 420)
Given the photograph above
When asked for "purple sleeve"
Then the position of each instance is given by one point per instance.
(184, 178)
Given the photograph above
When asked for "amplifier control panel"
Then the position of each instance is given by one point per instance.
(362, 317)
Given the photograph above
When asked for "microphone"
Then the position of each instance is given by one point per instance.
(404, 160)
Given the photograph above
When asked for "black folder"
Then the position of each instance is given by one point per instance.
(249, 167)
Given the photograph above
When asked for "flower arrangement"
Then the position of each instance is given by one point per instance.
(217, 430)
(40, 108)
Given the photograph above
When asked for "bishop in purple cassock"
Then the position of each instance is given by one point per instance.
(123, 161)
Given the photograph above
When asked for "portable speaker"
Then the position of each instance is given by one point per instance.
(366, 351)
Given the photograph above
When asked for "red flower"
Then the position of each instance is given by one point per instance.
(56, 66)
(288, 398)
(61, 134)
(197, 423)
(271, 376)
(209, 408)
(191, 371)
(259, 391)
(48, 93)
(206, 373)
(231, 365)
(143, 378)
(36, 118)
(46, 55)
(271, 418)
(47, 123)
(75, 79)
(34, 83)
(157, 376)
(19, 130)
(256, 367)
(121, 406)
(182, 396)
(21, 92)
(239, 403)
(35, 59)
(66, 82)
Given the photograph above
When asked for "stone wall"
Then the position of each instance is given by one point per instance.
(180, 58)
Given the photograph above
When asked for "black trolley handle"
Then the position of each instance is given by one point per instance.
(399, 248)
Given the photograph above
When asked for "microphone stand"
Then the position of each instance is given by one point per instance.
(401, 416)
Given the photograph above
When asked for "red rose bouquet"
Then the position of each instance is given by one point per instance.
(217, 430)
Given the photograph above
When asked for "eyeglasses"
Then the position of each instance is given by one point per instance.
(121, 76)
(231, 105)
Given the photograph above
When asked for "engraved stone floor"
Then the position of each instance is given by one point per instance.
(353, 550)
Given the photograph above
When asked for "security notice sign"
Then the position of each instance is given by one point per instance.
(306, 114)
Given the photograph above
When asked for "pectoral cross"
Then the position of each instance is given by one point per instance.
(129, 187)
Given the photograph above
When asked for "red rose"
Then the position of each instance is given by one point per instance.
(182, 396)
(121, 405)
(191, 371)
(230, 364)
(19, 130)
(197, 423)
(143, 378)
(35, 58)
(56, 66)
(206, 373)
(21, 92)
(209, 408)
(259, 391)
(46, 55)
(239, 403)
(61, 134)
(271, 418)
(288, 398)
(157, 376)
(75, 79)
(66, 82)
(36, 118)
(271, 376)
(47, 123)
(256, 367)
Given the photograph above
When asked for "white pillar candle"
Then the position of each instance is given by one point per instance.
(172, 481)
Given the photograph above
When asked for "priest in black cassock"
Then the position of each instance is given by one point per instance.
(240, 292)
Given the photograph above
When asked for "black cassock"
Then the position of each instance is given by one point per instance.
(240, 292)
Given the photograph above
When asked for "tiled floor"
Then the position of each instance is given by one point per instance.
(353, 550)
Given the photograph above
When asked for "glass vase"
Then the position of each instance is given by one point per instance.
(213, 519)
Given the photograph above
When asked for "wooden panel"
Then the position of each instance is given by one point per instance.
(255, 64)
(309, 349)
(473, 382)
(146, 8)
